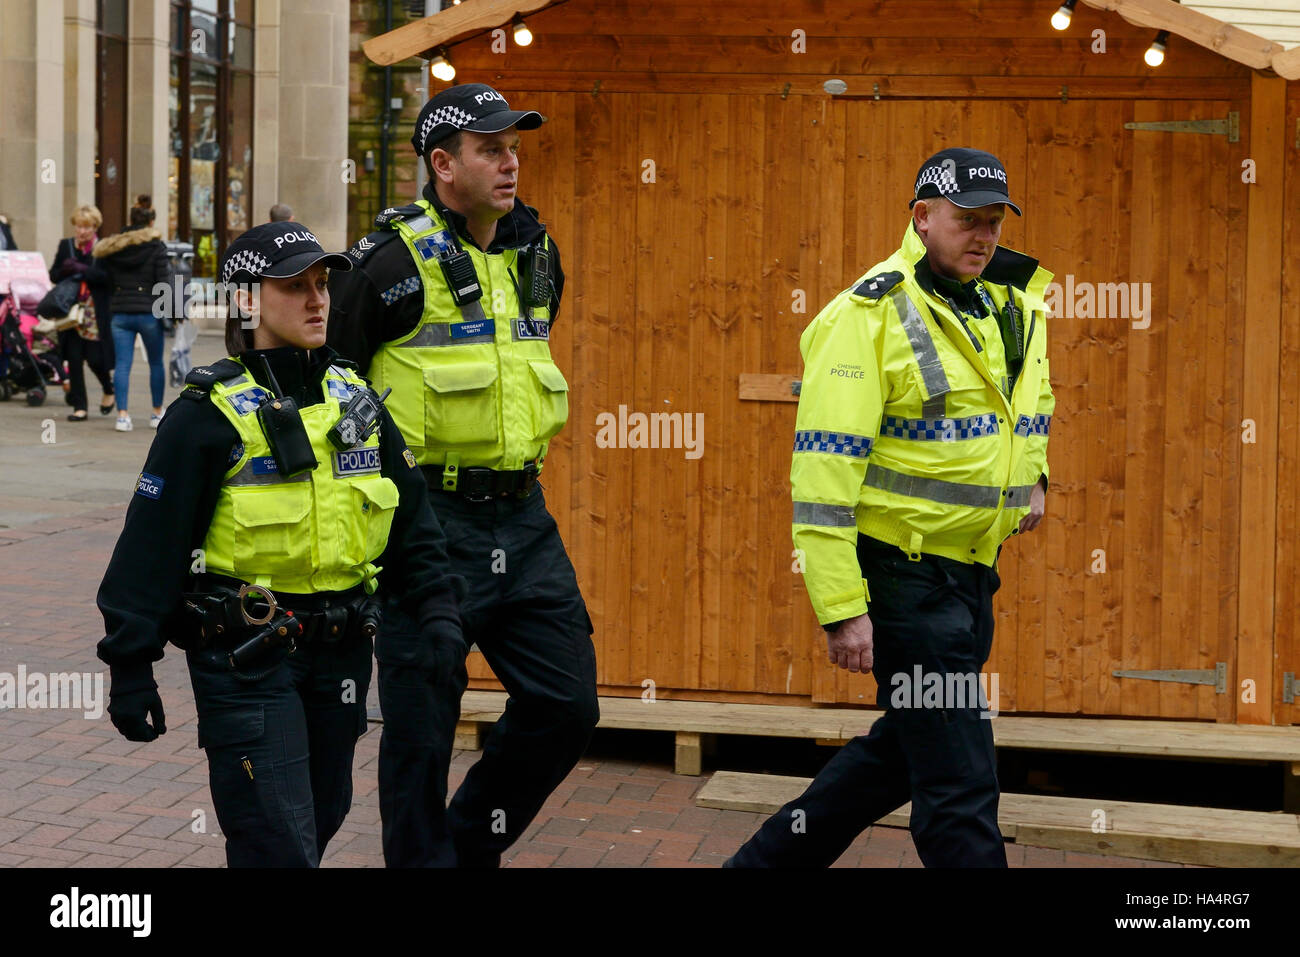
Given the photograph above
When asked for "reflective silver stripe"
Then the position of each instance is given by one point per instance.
(927, 357)
(433, 334)
(815, 513)
(419, 224)
(937, 490)
(246, 476)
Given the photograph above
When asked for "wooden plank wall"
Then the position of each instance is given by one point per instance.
(678, 286)
(1287, 601)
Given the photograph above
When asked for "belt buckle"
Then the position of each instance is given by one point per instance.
(470, 476)
(525, 489)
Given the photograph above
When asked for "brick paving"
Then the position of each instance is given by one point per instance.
(74, 793)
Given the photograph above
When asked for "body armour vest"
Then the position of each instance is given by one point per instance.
(318, 531)
(472, 384)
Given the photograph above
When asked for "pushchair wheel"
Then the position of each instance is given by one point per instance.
(35, 397)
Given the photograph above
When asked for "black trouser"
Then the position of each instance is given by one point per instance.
(280, 747)
(524, 611)
(74, 351)
(935, 750)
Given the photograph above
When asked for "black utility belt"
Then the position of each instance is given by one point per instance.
(226, 612)
(477, 484)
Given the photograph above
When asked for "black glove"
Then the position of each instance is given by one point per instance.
(449, 652)
(132, 699)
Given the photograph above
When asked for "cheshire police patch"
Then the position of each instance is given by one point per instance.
(409, 456)
(150, 486)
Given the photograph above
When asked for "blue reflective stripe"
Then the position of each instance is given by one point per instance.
(248, 400)
(837, 443)
(404, 288)
(339, 389)
(940, 430)
(1038, 425)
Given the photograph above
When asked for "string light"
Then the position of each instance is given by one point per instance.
(1061, 18)
(523, 36)
(441, 67)
(1155, 54)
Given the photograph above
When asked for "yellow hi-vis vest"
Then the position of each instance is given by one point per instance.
(472, 385)
(905, 431)
(318, 531)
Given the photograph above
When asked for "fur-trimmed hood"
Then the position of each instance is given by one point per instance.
(124, 240)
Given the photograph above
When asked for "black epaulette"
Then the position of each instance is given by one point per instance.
(366, 245)
(393, 213)
(876, 286)
(200, 380)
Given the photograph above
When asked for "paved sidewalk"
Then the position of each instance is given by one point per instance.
(74, 793)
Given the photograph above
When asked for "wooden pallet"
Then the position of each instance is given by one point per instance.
(1158, 832)
(695, 721)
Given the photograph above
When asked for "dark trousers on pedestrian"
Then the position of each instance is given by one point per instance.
(76, 351)
(280, 743)
(934, 618)
(524, 611)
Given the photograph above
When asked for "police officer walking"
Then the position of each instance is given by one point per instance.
(920, 446)
(452, 307)
(275, 489)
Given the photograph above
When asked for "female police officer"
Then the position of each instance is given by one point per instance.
(253, 541)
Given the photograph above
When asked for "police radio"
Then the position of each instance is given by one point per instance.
(360, 418)
(282, 425)
(1013, 330)
(539, 279)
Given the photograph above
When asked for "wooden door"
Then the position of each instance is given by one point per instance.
(693, 227)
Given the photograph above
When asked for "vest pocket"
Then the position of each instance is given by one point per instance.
(373, 503)
(273, 534)
(460, 404)
(551, 401)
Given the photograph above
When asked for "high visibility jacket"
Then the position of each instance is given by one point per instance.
(905, 432)
(474, 384)
(317, 531)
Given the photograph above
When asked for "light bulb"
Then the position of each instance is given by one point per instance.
(523, 36)
(442, 69)
(1061, 18)
(1155, 54)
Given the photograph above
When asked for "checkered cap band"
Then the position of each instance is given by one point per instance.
(452, 115)
(941, 177)
(247, 260)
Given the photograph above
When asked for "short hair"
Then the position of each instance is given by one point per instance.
(450, 144)
(281, 213)
(87, 215)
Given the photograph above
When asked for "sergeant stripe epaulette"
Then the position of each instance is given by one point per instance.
(876, 286)
(364, 246)
(394, 213)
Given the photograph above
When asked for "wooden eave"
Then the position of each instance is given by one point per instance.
(474, 16)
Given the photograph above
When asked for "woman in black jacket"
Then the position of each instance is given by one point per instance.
(265, 470)
(73, 261)
(136, 262)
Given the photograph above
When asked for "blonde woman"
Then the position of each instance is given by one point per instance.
(93, 346)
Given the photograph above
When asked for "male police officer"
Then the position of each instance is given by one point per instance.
(920, 446)
(451, 307)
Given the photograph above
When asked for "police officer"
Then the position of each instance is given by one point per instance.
(451, 307)
(920, 446)
(275, 490)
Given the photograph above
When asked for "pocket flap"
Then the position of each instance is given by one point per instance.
(549, 375)
(461, 378)
(381, 493)
(272, 505)
(231, 727)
